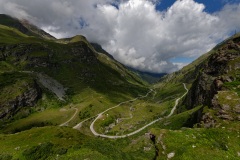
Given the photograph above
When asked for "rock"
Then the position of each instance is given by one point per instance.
(238, 118)
(225, 107)
(237, 109)
(208, 121)
(211, 76)
(171, 155)
(152, 137)
(17, 148)
(147, 148)
(226, 117)
(218, 83)
(210, 79)
(26, 99)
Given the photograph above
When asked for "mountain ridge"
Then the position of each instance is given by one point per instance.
(24, 26)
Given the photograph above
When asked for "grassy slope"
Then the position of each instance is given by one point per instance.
(51, 142)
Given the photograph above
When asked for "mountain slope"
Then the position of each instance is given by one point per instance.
(76, 65)
(217, 85)
(214, 81)
(210, 110)
(24, 26)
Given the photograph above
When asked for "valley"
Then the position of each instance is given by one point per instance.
(70, 99)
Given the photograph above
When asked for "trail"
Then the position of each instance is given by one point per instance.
(66, 123)
(139, 130)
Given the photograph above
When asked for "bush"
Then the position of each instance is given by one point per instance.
(61, 151)
(41, 152)
(5, 157)
(109, 120)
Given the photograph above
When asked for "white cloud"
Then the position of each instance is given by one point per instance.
(132, 30)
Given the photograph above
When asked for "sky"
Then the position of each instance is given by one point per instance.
(158, 36)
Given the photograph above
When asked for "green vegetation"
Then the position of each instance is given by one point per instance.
(235, 86)
(13, 84)
(51, 142)
(199, 143)
(176, 122)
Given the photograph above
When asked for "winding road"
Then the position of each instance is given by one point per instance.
(78, 126)
(66, 123)
(137, 131)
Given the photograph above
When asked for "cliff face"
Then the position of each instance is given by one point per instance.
(28, 94)
(221, 67)
(217, 84)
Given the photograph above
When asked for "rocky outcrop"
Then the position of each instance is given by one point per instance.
(216, 71)
(26, 52)
(26, 99)
(82, 53)
(209, 89)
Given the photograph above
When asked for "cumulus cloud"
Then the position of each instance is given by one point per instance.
(133, 31)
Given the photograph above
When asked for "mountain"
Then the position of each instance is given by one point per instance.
(69, 99)
(217, 85)
(147, 76)
(72, 62)
(214, 80)
(24, 26)
(99, 49)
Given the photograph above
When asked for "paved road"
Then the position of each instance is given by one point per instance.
(137, 131)
(79, 125)
(66, 123)
(177, 100)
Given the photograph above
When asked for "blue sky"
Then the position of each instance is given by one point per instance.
(211, 5)
(149, 35)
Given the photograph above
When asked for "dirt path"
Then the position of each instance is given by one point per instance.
(137, 131)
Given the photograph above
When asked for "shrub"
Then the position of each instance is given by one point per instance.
(41, 152)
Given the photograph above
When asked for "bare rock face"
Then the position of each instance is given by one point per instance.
(209, 88)
(208, 121)
(26, 99)
(215, 72)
